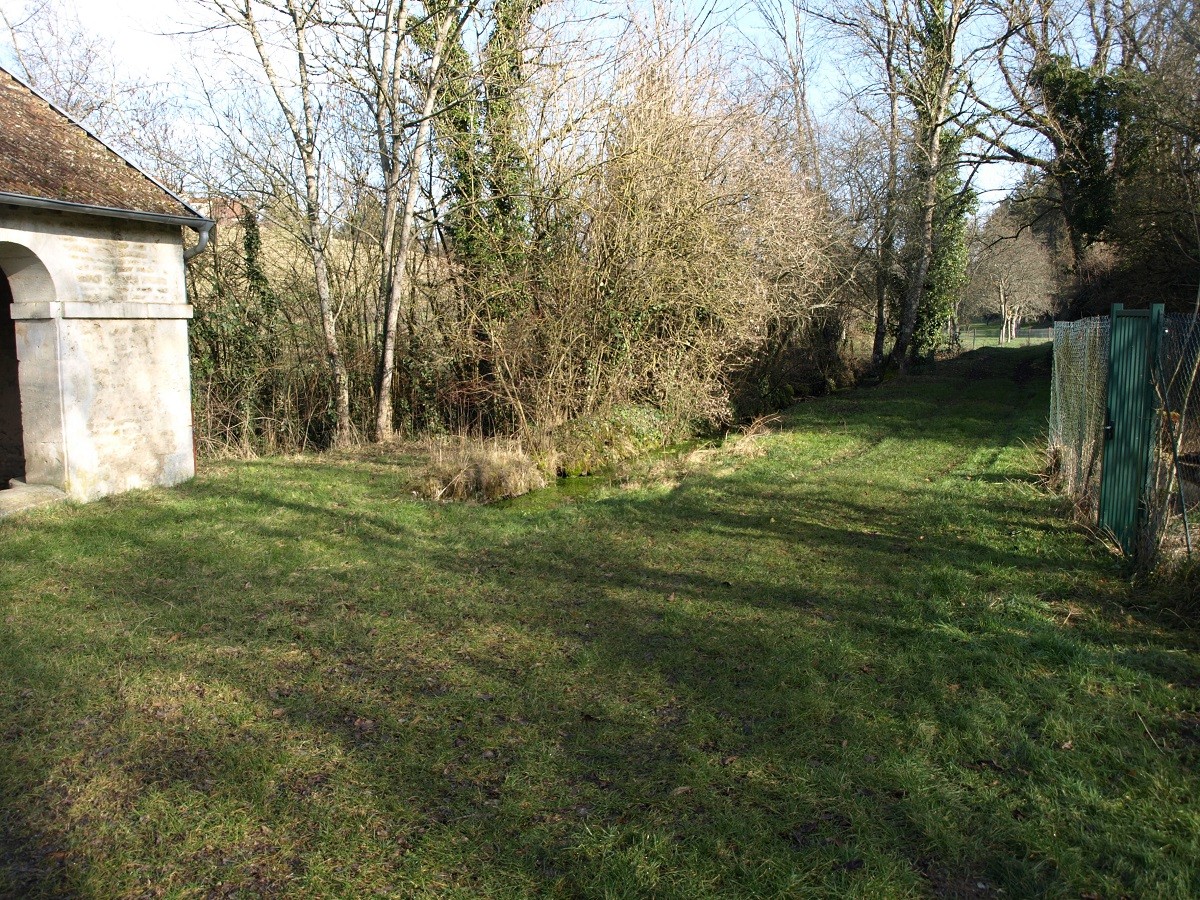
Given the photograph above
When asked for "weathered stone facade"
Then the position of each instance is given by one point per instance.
(99, 326)
(95, 395)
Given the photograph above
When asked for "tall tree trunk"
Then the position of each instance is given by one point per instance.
(887, 247)
(916, 284)
(343, 428)
(932, 31)
(303, 130)
(386, 84)
(881, 313)
(1003, 297)
(398, 287)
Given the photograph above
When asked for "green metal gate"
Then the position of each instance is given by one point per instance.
(1135, 341)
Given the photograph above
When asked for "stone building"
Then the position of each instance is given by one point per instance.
(95, 393)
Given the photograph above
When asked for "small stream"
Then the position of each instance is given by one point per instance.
(569, 489)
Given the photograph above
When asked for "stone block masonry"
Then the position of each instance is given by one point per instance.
(100, 316)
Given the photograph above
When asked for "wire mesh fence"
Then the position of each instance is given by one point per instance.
(1079, 414)
(972, 337)
(1173, 493)
(1078, 410)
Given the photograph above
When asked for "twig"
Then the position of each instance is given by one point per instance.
(1148, 734)
(451, 483)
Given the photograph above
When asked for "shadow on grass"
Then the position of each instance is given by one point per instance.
(820, 673)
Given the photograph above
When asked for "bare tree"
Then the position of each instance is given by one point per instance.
(1056, 103)
(1012, 275)
(49, 48)
(784, 85)
(280, 32)
(401, 163)
(921, 53)
(869, 153)
(74, 68)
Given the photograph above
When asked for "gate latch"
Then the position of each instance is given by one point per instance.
(1109, 430)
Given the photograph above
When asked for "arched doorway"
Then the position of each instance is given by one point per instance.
(12, 440)
(31, 423)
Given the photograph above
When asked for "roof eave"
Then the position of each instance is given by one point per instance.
(197, 223)
(121, 156)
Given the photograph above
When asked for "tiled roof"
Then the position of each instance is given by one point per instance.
(47, 156)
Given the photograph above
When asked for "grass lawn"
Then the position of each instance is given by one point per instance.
(872, 661)
(978, 335)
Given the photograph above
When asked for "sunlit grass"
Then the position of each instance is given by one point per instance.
(871, 661)
(977, 336)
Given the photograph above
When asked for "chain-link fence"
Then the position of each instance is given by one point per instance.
(1173, 498)
(1079, 414)
(972, 337)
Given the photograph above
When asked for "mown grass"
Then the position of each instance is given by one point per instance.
(979, 335)
(873, 661)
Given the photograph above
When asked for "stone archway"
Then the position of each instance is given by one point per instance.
(12, 441)
(31, 423)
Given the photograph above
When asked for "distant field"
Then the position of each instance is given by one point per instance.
(862, 656)
(974, 337)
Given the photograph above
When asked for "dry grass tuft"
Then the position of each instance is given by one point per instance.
(750, 442)
(716, 460)
(1174, 589)
(482, 471)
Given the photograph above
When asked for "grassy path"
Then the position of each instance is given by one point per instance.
(872, 661)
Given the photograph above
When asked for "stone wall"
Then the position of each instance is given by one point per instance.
(101, 327)
(103, 260)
